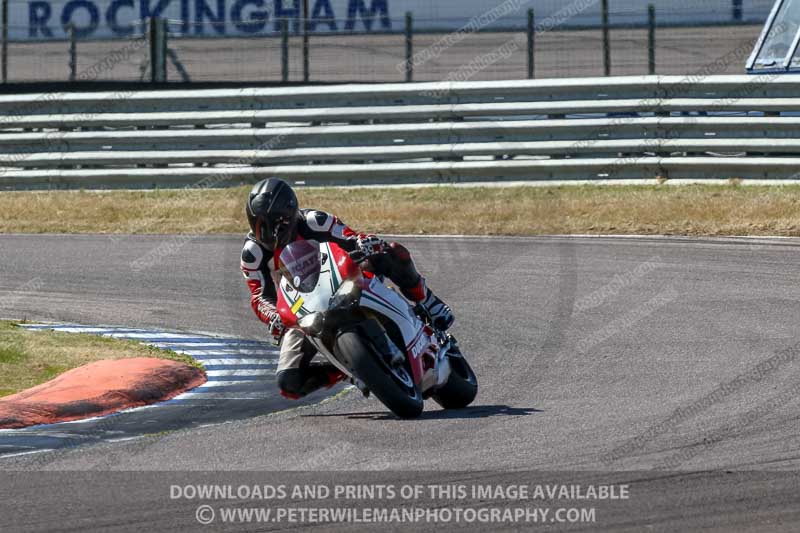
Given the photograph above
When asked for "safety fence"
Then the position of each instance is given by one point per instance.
(88, 41)
(587, 128)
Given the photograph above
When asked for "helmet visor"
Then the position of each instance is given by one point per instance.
(275, 232)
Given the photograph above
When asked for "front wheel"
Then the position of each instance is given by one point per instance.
(462, 385)
(394, 386)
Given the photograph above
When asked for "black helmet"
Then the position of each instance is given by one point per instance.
(272, 213)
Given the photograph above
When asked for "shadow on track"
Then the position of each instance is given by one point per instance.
(478, 411)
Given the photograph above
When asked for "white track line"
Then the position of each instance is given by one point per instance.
(7, 456)
(248, 372)
(219, 384)
(234, 362)
(226, 396)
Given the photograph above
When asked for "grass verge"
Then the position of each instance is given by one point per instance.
(662, 209)
(28, 358)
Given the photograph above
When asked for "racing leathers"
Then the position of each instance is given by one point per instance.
(296, 375)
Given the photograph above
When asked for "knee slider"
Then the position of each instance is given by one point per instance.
(400, 251)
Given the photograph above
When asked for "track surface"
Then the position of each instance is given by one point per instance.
(573, 362)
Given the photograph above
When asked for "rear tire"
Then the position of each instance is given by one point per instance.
(461, 387)
(402, 398)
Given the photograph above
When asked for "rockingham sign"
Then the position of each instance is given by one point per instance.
(102, 19)
(46, 19)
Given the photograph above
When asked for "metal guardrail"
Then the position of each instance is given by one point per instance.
(593, 128)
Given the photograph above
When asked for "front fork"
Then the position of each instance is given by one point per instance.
(415, 326)
(372, 330)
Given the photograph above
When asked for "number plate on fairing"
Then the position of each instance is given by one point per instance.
(303, 303)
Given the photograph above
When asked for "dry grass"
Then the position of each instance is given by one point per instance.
(658, 209)
(28, 358)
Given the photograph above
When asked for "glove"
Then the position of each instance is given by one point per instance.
(276, 328)
(367, 246)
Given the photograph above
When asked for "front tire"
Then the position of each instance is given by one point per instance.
(401, 396)
(462, 385)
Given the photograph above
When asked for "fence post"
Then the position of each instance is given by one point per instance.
(651, 39)
(284, 50)
(531, 32)
(606, 41)
(409, 46)
(737, 10)
(306, 47)
(158, 49)
(164, 27)
(4, 51)
(73, 51)
(151, 38)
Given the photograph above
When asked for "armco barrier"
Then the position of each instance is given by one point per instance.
(593, 128)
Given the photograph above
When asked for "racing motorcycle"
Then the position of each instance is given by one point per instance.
(369, 331)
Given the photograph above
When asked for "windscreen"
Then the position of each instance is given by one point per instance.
(780, 38)
(300, 264)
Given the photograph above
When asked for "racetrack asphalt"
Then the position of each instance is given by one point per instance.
(637, 357)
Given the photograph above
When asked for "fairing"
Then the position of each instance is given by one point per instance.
(426, 357)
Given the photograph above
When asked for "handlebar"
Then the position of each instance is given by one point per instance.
(358, 256)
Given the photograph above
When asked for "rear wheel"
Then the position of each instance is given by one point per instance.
(391, 384)
(462, 385)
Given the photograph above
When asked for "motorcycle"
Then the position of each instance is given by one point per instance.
(369, 331)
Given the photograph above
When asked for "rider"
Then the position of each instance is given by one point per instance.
(275, 221)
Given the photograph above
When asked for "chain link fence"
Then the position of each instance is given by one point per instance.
(614, 42)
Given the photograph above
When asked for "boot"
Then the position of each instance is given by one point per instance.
(440, 312)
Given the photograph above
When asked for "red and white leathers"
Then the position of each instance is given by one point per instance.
(296, 377)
